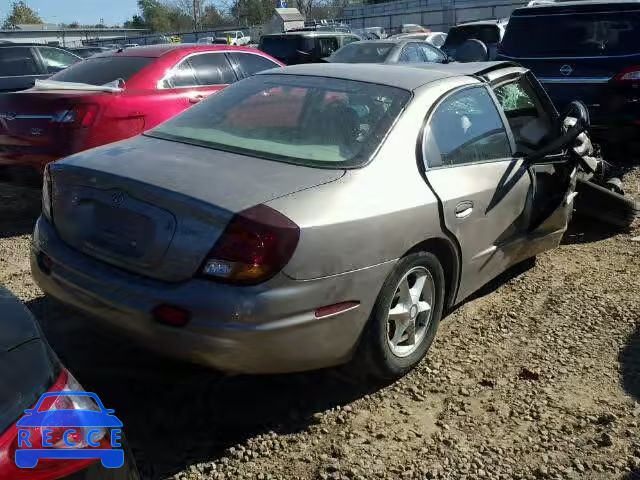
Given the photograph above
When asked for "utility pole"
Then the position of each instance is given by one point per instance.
(195, 15)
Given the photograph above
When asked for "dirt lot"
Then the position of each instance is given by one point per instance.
(537, 377)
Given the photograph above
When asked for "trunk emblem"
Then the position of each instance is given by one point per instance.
(36, 132)
(117, 198)
(566, 70)
(8, 116)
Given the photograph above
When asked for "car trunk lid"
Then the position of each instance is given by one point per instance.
(157, 207)
(38, 122)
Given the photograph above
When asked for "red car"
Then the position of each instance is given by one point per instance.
(113, 96)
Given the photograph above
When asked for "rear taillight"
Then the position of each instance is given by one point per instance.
(49, 469)
(79, 116)
(46, 194)
(256, 245)
(628, 76)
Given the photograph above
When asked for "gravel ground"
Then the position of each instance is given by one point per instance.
(536, 377)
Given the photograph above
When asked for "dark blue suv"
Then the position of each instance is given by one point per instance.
(584, 50)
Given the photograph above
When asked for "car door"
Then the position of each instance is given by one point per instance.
(482, 188)
(246, 64)
(534, 122)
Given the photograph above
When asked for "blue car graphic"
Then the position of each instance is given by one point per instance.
(28, 457)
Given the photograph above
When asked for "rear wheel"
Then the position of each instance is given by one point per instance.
(405, 317)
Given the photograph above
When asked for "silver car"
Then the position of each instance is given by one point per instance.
(310, 215)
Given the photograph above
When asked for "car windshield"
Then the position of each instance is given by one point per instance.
(362, 53)
(102, 70)
(486, 33)
(592, 34)
(311, 121)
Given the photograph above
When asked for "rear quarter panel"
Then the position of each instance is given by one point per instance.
(373, 214)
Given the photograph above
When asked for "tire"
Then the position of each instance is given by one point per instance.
(375, 356)
(599, 203)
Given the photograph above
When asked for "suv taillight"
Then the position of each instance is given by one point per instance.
(628, 76)
(49, 469)
(256, 245)
(79, 116)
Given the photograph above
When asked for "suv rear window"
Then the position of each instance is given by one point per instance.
(486, 33)
(309, 121)
(102, 70)
(575, 35)
(362, 52)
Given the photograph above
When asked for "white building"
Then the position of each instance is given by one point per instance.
(51, 34)
(284, 19)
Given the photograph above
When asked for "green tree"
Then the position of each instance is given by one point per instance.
(21, 13)
(136, 22)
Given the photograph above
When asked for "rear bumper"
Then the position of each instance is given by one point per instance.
(266, 329)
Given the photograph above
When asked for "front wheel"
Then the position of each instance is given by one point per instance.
(405, 317)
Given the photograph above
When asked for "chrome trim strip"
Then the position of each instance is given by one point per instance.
(576, 80)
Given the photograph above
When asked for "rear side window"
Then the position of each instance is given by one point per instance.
(212, 69)
(411, 54)
(181, 76)
(576, 35)
(326, 46)
(102, 70)
(55, 59)
(431, 54)
(16, 61)
(466, 128)
(250, 63)
(286, 47)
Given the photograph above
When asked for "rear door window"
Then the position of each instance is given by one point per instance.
(431, 54)
(585, 34)
(212, 69)
(250, 63)
(466, 128)
(486, 33)
(411, 53)
(181, 76)
(55, 59)
(102, 70)
(17, 61)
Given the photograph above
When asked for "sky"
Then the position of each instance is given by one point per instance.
(83, 11)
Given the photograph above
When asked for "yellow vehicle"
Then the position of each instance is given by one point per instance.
(175, 39)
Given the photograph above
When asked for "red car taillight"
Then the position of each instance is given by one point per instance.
(256, 245)
(48, 469)
(628, 76)
(79, 116)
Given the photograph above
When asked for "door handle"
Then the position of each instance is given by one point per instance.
(196, 98)
(464, 209)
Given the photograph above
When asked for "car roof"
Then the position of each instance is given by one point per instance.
(578, 6)
(399, 40)
(155, 51)
(401, 76)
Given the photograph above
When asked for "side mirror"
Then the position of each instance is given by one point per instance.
(577, 115)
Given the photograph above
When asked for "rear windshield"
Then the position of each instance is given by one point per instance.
(362, 53)
(486, 33)
(311, 121)
(102, 70)
(575, 35)
(286, 47)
